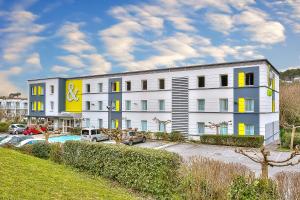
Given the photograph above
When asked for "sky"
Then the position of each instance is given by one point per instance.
(41, 38)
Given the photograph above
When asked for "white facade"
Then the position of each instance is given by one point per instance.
(14, 107)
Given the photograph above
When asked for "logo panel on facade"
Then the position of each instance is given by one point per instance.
(74, 96)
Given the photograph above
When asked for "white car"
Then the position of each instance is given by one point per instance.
(93, 135)
(30, 141)
(7, 139)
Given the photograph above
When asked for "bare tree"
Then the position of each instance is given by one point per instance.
(116, 134)
(217, 126)
(264, 160)
(290, 108)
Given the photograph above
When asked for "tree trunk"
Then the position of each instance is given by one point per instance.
(264, 170)
(292, 137)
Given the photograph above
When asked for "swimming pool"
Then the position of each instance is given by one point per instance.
(64, 138)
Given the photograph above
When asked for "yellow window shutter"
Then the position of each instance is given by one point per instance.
(241, 79)
(273, 105)
(117, 123)
(34, 105)
(34, 90)
(241, 105)
(241, 129)
(117, 86)
(39, 90)
(117, 105)
(39, 106)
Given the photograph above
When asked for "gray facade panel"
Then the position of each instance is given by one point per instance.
(115, 96)
(61, 95)
(37, 98)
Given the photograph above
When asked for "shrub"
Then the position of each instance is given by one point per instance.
(26, 149)
(288, 185)
(204, 178)
(147, 170)
(4, 127)
(233, 140)
(41, 150)
(56, 152)
(259, 189)
(75, 131)
(286, 139)
(159, 135)
(176, 136)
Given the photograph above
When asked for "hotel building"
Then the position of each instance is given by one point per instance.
(243, 97)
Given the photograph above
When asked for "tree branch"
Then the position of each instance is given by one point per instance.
(240, 151)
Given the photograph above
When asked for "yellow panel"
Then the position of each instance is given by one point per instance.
(117, 86)
(74, 95)
(38, 105)
(273, 84)
(117, 123)
(273, 105)
(241, 104)
(117, 105)
(241, 79)
(241, 129)
(34, 90)
(34, 105)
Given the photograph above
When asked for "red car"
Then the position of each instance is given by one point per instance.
(32, 130)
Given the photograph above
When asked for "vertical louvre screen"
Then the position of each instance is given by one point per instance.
(241, 104)
(180, 105)
(241, 79)
(241, 129)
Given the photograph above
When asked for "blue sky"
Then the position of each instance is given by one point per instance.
(42, 38)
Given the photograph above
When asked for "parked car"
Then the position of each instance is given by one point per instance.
(93, 135)
(2, 137)
(32, 130)
(16, 128)
(16, 140)
(30, 141)
(7, 139)
(133, 137)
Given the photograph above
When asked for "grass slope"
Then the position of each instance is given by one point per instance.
(26, 177)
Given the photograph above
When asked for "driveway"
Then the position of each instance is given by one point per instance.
(222, 153)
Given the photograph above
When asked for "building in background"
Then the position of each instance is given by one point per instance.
(243, 95)
(13, 107)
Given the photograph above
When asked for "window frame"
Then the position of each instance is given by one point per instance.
(221, 80)
(51, 89)
(198, 81)
(159, 84)
(220, 100)
(88, 88)
(163, 125)
(198, 105)
(88, 105)
(198, 128)
(144, 102)
(249, 125)
(126, 123)
(100, 105)
(128, 102)
(146, 123)
(51, 105)
(246, 83)
(100, 123)
(100, 87)
(128, 83)
(221, 128)
(159, 105)
(249, 99)
(142, 82)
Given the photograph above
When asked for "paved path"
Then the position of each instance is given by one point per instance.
(223, 153)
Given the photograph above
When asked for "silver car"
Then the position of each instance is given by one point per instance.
(16, 129)
(93, 135)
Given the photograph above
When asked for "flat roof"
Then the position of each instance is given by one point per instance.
(170, 69)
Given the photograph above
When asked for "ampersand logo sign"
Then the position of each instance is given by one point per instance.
(72, 93)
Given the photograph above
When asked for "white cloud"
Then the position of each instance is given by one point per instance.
(74, 39)
(72, 60)
(34, 61)
(6, 85)
(60, 69)
(220, 22)
(97, 64)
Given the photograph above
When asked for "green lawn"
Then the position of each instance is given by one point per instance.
(26, 177)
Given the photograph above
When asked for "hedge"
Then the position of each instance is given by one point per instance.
(286, 139)
(4, 127)
(233, 140)
(147, 170)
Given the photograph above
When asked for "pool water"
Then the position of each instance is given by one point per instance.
(64, 138)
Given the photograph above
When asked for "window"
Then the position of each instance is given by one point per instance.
(224, 80)
(88, 105)
(33, 89)
(144, 125)
(249, 105)
(144, 105)
(201, 81)
(161, 84)
(51, 105)
(144, 84)
(201, 127)
(100, 123)
(115, 123)
(100, 105)
(224, 129)
(128, 85)
(128, 104)
(201, 104)
(128, 123)
(161, 105)
(88, 88)
(52, 89)
(32, 106)
(41, 106)
(249, 129)
(249, 79)
(100, 87)
(115, 86)
(87, 122)
(223, 105)
(40, 90)
(162, 127)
